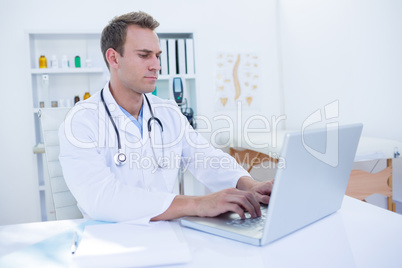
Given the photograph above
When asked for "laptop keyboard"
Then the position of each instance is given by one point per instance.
(249, 222)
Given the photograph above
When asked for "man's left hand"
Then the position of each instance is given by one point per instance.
(261, 190)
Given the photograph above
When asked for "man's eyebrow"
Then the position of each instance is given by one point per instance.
(147, 51)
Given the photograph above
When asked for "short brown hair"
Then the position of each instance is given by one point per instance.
(114, 34)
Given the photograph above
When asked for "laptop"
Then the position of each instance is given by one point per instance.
(310, 183)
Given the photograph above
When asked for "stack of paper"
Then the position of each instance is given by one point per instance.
(124, 245)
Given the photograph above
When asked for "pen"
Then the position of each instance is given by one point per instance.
(74, 244)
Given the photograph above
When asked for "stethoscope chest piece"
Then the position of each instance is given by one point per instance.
(120, 159)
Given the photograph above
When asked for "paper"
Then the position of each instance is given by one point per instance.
(124, 245)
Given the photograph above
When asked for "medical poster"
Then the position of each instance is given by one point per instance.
(236, 80)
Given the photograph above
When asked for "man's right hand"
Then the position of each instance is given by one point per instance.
(231, 199)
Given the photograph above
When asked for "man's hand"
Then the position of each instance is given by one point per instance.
(261, 190)
(247, 196)
(231, 199)
(212, 205)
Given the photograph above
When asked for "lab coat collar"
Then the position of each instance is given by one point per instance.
(123, 123)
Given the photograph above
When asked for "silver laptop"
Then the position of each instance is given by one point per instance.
(310, 183)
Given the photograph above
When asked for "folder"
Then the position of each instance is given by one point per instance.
(164, 57)
(172, 56)
(190, 56)
(181, 55)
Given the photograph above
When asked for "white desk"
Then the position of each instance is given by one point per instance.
(359, 235)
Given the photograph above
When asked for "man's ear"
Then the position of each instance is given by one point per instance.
(112, 57)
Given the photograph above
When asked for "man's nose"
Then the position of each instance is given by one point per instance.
(155, 65)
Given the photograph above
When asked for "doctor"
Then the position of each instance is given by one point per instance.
(121, 149)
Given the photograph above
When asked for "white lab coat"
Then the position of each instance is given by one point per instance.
(138, 190)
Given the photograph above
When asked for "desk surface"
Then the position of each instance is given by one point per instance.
(358, 235)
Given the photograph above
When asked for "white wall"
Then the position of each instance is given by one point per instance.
(346, 50)
(233, 26)
(350, 51)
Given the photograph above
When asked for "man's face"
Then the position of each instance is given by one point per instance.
(139, 67)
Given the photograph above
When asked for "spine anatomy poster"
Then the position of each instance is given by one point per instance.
(236, 80)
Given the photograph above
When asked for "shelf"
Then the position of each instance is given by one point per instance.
(36, 110)
(66, 70)
(184, 76)
(97, 70)
(63, 34)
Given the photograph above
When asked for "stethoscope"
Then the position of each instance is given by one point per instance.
(120, 158)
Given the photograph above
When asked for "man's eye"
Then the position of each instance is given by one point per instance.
(143, 55)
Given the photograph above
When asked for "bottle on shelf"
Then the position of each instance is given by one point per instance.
(77, 62)
(87, 95)
(64, 62)
(88, 63)
(76, 99)
(54, 62)
(42, 62)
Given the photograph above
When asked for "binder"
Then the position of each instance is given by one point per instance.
(181, 55)
(164, 57)
(172, 56)
(190, 56)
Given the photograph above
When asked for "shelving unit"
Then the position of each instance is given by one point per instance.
(60, 85)
(66, 70)
(63, 84)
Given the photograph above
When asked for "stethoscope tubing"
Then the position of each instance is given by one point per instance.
(119, 154)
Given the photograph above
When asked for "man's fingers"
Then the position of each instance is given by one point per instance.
(234, 200)
(264, 199)
(247, 201)
(237, 209)
(265, 188)
(243, 202)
